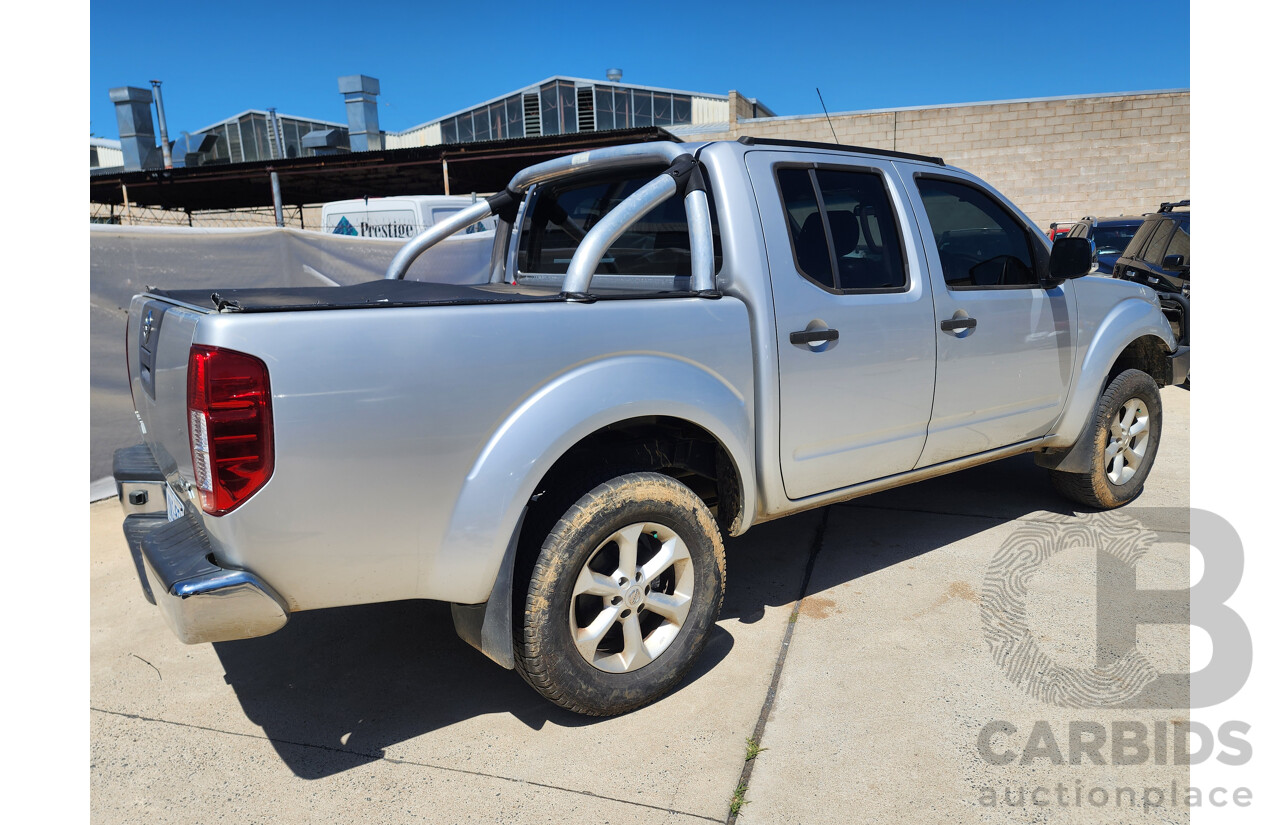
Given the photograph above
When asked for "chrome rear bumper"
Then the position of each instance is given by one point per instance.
(200, 601)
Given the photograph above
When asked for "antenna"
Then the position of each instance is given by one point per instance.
(825, 112)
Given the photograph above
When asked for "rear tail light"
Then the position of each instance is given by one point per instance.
(229, 407)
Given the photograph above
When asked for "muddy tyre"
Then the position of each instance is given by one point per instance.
(1124, 434)
(622, 597)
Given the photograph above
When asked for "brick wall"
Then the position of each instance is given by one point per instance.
(1057, 159)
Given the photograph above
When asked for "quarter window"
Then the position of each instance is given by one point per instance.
(980, 245)
(1155, 250)
(843, 231)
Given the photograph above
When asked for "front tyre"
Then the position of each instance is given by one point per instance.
(1124, 435)
(623, 596)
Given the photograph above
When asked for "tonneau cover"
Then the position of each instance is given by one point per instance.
(384, 293)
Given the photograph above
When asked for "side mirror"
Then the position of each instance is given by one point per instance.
(1173, 262)
(1070, 258)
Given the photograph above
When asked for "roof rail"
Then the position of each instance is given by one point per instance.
(1169, 206)
(747, 140)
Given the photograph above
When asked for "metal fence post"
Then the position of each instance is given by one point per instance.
(275, 197)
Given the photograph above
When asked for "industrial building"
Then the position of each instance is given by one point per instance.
(257, 134)
(104, 153)
(565, 105)
(1057, 157)
(555, 106)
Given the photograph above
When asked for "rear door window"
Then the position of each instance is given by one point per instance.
(804, 224)
(844, 233)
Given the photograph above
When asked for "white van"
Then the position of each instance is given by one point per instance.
(399, 217)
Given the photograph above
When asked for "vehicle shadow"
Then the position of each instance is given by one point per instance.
(350, 682)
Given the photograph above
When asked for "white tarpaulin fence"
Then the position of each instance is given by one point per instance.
(125, 260)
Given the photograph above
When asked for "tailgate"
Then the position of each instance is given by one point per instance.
(157, 346)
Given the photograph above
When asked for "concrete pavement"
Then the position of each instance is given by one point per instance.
(381, 713)
(888, 680)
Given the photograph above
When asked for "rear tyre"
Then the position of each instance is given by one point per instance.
(1124, 435)
(623, 596)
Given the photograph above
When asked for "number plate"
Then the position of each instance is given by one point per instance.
(173, 504)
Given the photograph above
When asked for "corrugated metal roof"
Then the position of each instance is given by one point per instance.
(418, 170)
(264, 113)
(535, 86)
(699, 128)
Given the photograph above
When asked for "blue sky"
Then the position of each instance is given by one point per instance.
(432, 59)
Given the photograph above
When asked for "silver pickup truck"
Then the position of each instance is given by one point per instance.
(675, 342)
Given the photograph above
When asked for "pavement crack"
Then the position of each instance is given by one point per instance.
(148, 664)
(757, 735)
(382, 757)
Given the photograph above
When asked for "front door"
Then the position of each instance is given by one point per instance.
(1005, 343)
(854, 319)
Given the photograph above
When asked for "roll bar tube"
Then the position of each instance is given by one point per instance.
(701, 244)
(609, 229)
(683, 176)
(438, 232)
(610, 157)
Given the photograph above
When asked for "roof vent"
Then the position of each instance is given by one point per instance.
(614, 75)
(361, 93)
(137, 130)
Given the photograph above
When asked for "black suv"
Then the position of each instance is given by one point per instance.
(1110, 237)
(1160, 257)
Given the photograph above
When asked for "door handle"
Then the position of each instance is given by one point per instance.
(815, 336)
(952, 324)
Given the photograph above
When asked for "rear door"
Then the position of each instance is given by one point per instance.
(1005, 344)
(854, 318)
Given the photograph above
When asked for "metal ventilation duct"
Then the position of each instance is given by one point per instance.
(188, 148)
(137, 131)
(323, 141)
(164, 130)
(361, 93)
